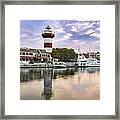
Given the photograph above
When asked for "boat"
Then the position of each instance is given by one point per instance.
(82, 62)
(59, 64)
(39, 65)
(88, 62)
(24, 63)
(92, 62)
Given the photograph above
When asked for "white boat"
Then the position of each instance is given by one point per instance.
(90, 62)
(59, 64)
(40, 64)
(24, 63)
(82, 62)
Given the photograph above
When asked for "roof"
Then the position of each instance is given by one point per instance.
(33, 50)
(41, 51)
(25, 49)
(48, 27)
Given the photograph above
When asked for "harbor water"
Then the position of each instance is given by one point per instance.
(60, 83)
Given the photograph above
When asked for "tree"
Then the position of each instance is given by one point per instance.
(64, 54)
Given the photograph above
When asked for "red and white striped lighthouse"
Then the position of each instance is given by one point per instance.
(48, 36)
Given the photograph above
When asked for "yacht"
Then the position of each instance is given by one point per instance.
(39, 65)
(92, 62)
(59, 64)
(88, 62)
(82, 62)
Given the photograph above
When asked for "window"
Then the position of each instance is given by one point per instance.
(23, 59)
(30, 53)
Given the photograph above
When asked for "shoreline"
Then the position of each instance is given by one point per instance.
(58, 67)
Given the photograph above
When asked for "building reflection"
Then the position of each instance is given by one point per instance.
(28, 75)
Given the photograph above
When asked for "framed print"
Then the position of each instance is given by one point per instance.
(59, 59)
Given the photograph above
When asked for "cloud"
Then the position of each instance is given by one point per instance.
(63, 38)
(89, 32)
(60, 30)
(84, 27)
(31, 39)
(74, 29)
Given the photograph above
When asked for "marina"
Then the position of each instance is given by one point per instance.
(90, 62)
(38, 58)
(63, 65)
(53, 72)
(51, 57)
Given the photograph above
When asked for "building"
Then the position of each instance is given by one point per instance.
(48, 36)
(89, 55)
(28, 55)
(43, 55)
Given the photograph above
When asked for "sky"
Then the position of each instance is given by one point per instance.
(75, 34)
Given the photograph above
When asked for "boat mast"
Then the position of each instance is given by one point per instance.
(89, 52)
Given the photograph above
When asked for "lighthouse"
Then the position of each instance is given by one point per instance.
(48, 36)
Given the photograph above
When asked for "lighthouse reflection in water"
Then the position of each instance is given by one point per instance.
(60, 84)
(47, 94)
